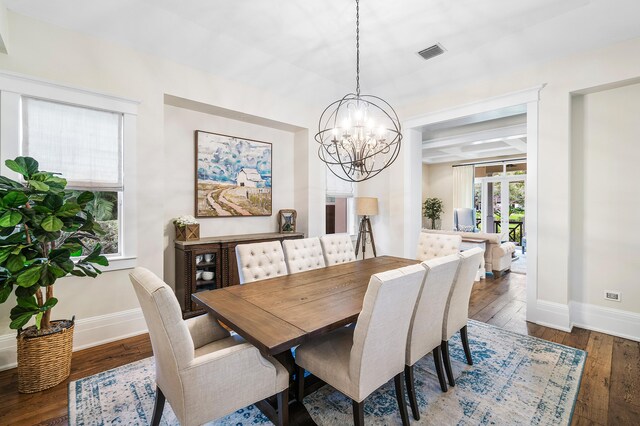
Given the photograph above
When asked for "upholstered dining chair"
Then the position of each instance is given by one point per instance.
(457, 310)
(202, 370)
(337, 248)
(259, 261)
(356, 360)
(425, 331)
(432, 245)
(303, 254)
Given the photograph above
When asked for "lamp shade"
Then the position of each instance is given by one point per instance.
(366, 206)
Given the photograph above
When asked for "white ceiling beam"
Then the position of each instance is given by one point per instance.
(517, 143)
(482, 136)
(448, 158)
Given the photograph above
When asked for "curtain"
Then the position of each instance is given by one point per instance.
(83, 144)
(463, 187)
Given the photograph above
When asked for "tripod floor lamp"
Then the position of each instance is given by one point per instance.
(365, 207)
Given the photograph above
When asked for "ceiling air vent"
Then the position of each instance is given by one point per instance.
(432, 51)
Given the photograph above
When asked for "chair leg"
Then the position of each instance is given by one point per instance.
(158, 406)
(437, 360)
(299, 383)
(358, 413)
(465, 345)
(444, 346)
(283, 408)
(402, 403)
(411, 391)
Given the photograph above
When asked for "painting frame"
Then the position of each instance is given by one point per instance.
(259, 185)
(287, 221)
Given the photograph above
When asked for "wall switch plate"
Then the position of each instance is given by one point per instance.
(615, 296)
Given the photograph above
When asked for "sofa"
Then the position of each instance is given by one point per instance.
(497, 254)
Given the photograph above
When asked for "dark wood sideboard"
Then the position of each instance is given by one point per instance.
(212, 254)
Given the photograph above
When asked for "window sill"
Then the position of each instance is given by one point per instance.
(119, 263)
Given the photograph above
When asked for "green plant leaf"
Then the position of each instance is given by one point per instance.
(15, 262)
(50, 303)
(87, 269)
(53, 202)
(21, 320)
(10, 219)
(85, 197)
(5, 291)
(95, 257)
(28, 302)
(14, 199)
(9, 183)
(5, 252)
(51, 224)
(39, 316)
(69, 209)
(30, 276)
(38, 186)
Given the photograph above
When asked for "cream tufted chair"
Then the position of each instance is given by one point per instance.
(202, 370)
(358, 360)
(303, 254)
(437, 245)
(425, 333)
(260, 261)
(457, 311)
(337, 248)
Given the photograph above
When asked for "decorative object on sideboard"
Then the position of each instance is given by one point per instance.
(432, 209)
(365, 207)
(287, 221)
(233, 176)
(42, 225)
(187, 228)
(359, 135)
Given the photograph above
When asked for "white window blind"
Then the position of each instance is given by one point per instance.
(337, 186)
(83, 144)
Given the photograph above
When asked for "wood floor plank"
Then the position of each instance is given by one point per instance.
(609, 393)
(593, 399)
(624, 393)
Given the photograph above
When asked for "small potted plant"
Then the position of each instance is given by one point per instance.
(432, 209)
(187, 228)
(41, 225)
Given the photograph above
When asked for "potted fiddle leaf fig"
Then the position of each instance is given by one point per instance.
(41, 225)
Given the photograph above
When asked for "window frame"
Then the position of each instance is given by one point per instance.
(13, 87)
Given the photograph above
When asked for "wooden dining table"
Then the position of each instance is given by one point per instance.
(280, 313)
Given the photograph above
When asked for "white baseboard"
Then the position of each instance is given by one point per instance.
(88, 332)
(606, 320)
(554, 315)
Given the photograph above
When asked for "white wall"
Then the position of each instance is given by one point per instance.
(606, 197)
(437, 181)
(65, 57)
(616, 63)
(179, 126)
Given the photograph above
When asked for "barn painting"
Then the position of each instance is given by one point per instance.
(233, 176)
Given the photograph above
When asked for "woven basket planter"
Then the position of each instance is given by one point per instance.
(188, 232)
(44, 361)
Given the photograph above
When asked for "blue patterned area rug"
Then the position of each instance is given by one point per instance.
(515, 379)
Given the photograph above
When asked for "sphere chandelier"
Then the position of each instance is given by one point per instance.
(358, 135)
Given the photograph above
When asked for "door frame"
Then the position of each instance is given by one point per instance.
(408, 187)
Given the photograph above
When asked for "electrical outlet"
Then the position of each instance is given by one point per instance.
(615, 296)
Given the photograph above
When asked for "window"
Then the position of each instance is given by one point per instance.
(85, 146)
(340, 206)
(87, 137)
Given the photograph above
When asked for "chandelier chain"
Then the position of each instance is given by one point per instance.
(358, 47)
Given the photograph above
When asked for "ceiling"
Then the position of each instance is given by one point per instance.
(499, 133)
(306, 49)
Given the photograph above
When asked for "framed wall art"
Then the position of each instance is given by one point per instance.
(233, 176)
(287, 221)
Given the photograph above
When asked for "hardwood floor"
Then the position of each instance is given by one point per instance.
(609, 394)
